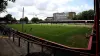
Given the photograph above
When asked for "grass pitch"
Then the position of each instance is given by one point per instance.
(69, 35)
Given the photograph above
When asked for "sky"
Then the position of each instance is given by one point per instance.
(45, 8)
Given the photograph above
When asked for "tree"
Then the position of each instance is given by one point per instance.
(74, 18)
(14, 20)
(46, 19)
(8, 18)
(91, 14)
(26, 19)
(85, 15)
(40, 20)
(21, 20)
(34, 20)
(3, 4)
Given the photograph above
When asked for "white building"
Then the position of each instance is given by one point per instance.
(60, 16)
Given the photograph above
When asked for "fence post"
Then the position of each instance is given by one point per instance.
(13, 37)
(19, 41)
(9, 34)
(42, 49)
(54, 52)
(28, 46)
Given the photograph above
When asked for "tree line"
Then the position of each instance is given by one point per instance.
(33, 20)
(9, 19)
(85, 15)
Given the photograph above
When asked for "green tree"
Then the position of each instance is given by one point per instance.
(21, 20)
(79, 16)
(46, 19)
(3, 4)
(91, 14)
(85, 15)
(26, 19)
(14, 20)
(8, 18)
(40, 20)
(34, 20)
(74, 18)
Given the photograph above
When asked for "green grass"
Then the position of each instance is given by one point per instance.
(70, 35)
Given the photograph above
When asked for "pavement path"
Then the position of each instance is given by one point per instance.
(10, 48)
(7, 48)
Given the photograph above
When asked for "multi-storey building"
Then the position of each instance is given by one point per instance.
(71, 15)
(60, 16)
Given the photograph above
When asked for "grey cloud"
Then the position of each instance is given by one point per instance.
(55, 7)
(45, 6)
(10, 4)
(42, 6)
(14, 13)
(32, 13)
(25, 2)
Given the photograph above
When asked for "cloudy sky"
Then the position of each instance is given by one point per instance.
(46, 8)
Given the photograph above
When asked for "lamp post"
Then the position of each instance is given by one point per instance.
(23, 20)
